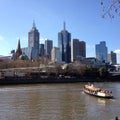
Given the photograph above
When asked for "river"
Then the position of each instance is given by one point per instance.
(64, 101)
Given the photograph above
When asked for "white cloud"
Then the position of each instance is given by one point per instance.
(1, 38)
(117, 51)
(42, 40)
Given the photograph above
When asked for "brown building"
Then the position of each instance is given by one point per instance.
(112, 58)
(18, 51)
(78, 50)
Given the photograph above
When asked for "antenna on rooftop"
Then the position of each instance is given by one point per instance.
(34, 24)
(64, 25)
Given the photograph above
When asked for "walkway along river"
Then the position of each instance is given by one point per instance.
(65, 101)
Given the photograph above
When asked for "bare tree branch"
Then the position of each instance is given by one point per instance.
(110, 8)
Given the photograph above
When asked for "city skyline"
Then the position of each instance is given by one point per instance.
(83, 19)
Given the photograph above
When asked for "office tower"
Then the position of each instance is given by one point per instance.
(29, 52)
(75, 54)
(112, 58)
(48, 47)
(18, 51)
(82, 49)
(101, 52)
(64, 43)
(33, 41)
(78, 50)
(55, 54)
(42, 50)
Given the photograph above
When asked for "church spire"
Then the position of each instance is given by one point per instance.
(18, 51)
(19, 44)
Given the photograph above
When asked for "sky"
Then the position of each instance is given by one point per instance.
(83, 20)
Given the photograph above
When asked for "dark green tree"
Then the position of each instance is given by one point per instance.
(103, 72)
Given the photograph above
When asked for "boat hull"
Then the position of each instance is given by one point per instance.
(95, 95)
(97, 92)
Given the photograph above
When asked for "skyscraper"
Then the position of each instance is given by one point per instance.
(112, 58)
(33, 40)
(82, 49)
(48, 47)
(75, 54)
(101, 52)
(78, 49)
(42, 50)
(64, 44)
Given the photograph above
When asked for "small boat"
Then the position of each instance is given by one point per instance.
(98, 92)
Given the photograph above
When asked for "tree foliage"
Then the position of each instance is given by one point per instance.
(74, 69)
(110, 8)
(103, 72)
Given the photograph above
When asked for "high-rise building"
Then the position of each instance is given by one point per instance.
(42, 50)
(33, 40)
(64, 44)
(112, 58)
(78, 49)
(82, 49)
(55, 54)
(48, 47)
(75, 50)
(101, 52)
(32, 51)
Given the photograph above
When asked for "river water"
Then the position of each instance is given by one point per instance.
(57, 102)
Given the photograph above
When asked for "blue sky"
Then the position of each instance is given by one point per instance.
(83, 21)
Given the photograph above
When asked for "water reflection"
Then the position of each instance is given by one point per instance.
(102, 101)
(56, 102)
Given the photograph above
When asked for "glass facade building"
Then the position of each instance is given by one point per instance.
(33, 41)
(42, 50)
(31, 52)
(64, 44)
(48, 47)
(101, 52)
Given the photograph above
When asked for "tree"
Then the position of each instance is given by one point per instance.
(58, 69)
(110, 8)
(103, 72)
(74, 69)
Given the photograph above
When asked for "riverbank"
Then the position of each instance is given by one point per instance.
(37, 80)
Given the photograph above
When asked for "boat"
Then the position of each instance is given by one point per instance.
(98, 92)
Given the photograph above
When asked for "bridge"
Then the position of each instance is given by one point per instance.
(114, 73)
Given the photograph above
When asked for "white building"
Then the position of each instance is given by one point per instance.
(55, 54)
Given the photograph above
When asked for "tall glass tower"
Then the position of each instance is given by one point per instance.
(102, 52)
(33, 42)
(64, 44)
(42, 50)
(33, 39)
(48, 47)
